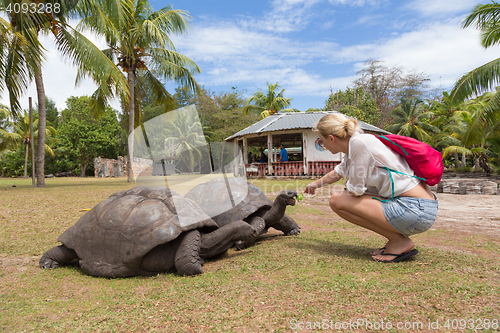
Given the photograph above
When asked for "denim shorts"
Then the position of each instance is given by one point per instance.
(410, 215)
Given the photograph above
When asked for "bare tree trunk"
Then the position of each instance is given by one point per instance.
(83, 165)
(26, 162)
(42, 118)
(477, 167)
(457, 161)
(464, 162)
(131, 118)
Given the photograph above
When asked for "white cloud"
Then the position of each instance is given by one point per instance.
(440, 7)
(442, 50)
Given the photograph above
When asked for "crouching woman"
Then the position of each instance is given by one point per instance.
(393, 205)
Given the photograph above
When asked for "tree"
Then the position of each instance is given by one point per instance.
(412, 120)
(52, 113)
(8, 140)
(185, 138)
(485, 17)
(85, 136)
(22, 128)
(268, 103)
(387, 85)
(470, 144)
(220, 113)
(354, 102)
(138, 39)
(24, 56)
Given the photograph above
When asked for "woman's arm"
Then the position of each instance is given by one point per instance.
(329, 178)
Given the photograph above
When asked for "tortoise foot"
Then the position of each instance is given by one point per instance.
(187, 258)
(293, 232)
(47, 263)
(56, 257)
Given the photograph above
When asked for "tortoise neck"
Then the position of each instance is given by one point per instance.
(276, 212)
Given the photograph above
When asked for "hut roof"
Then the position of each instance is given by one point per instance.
(295, 120)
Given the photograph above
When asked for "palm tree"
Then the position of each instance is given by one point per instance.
(443, 111)
(22, 131)
(412, 120)
(185, 135)
(471, 139)
(22, 57)
(138, 39)
(8, 140)
(484, 17)
(268, 103)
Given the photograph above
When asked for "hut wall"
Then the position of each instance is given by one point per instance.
(315, 152)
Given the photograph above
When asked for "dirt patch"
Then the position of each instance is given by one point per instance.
(478, 214)
(16, 264)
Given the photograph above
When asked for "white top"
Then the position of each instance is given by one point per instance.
(362, 168)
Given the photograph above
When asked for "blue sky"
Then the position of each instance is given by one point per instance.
(308, 46)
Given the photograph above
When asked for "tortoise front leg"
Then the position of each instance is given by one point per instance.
(224, 238)
(187, 259)
(57, 256)
(287, 225)
(259, 224)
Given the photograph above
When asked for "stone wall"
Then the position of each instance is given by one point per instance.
(104, 167)
(467, 186)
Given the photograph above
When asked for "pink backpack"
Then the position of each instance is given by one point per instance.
(424, 160)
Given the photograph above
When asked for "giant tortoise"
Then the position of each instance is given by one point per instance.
(235, 199)
(144, 231)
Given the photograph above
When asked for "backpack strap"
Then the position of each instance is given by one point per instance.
(394, 143)
(392, 181)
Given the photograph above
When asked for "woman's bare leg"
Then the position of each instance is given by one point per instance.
(367, 213)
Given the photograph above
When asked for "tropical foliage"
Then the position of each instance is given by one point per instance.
(86, 137)
(21, 57)
(268, 103)
(486, 18)
(412, 119)
(354, 102)
(22, 130)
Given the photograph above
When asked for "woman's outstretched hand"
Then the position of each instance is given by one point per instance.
(311, 188)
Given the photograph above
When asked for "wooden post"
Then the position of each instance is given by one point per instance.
(236, 161)
(32, 145)
(245, 151)
(304, 152)
(270, 154)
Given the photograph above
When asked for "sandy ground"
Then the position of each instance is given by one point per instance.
(469, 213)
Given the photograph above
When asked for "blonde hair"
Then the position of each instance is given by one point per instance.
(338, 125)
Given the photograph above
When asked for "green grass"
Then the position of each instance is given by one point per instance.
(325, 273)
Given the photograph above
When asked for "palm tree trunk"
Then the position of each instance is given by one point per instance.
(42, 118)
(26, 162)
(464, 162)
(131, 118)
(457, 161)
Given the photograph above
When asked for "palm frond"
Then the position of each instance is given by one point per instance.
(477, 81)
(453, 149)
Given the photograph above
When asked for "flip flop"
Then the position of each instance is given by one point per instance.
(398, 257)
(382, 248)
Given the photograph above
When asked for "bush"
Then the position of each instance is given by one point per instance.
(12, 163)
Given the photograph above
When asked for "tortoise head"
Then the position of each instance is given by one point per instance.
(288, 197)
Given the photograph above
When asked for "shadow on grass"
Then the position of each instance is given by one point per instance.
(323, 247)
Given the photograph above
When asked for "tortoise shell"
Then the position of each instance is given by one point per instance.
(228, 200)
(112, 238)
